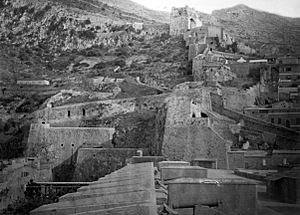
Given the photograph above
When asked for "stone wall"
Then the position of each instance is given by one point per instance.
(99, 109)
(254, 159)
(183, 19)
(57, 144)
(156, 30)
(94, 163)
(237, 99)
(189, 136)
(285, 138)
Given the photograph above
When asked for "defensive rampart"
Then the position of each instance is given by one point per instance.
(99, 109)
(57, 144)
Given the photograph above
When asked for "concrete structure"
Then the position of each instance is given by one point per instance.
(230, 196)
(175, 172)
(129, 190)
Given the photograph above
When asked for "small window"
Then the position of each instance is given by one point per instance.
(72, 144)
(298, 121)
(69, 113)
(62, 145)
(279, 120)
(272, 120)
(287, 123)
(83, 112)
(288, 69)
(24, 174)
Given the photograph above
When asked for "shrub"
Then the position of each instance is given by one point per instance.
(87, 35)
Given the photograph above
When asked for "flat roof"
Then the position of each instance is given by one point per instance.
(231, 181)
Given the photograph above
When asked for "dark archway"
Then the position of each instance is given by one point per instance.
(192, 24)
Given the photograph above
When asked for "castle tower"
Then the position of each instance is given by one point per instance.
(183, 19)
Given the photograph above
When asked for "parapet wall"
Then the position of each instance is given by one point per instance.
(58, 144)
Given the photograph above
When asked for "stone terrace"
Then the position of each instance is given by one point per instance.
(129, 190)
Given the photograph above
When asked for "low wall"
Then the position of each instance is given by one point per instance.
(60, 143)
(260, 159)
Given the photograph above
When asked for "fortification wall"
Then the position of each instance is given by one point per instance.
(236, 99)
(285, 138)
(94, 163)
(57, 144)
(186, 137)
(195, 141)
(183, 19)
(99, 109)
(260, 159)
(156, 30)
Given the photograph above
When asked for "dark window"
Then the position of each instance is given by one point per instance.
(279, 120)
(298, 121)
(287, 123)
(289, 69)
(272, 120)
(204, 115)
(24, 174)
(83, 112)
(194, 115)
(69, 113)
(62, 145)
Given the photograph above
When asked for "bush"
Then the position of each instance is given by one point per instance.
(87, 35)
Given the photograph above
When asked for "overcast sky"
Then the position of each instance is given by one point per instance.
(289, 8)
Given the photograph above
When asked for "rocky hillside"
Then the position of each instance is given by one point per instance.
(263, 30)
(132, 7)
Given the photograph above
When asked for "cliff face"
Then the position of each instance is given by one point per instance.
(276, 33)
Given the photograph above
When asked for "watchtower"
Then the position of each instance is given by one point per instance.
(183, 19)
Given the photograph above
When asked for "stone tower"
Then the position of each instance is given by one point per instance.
(183, 19)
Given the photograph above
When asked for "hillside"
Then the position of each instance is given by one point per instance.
(132, 7)
(263, 30)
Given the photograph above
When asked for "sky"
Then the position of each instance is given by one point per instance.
(290, 8)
